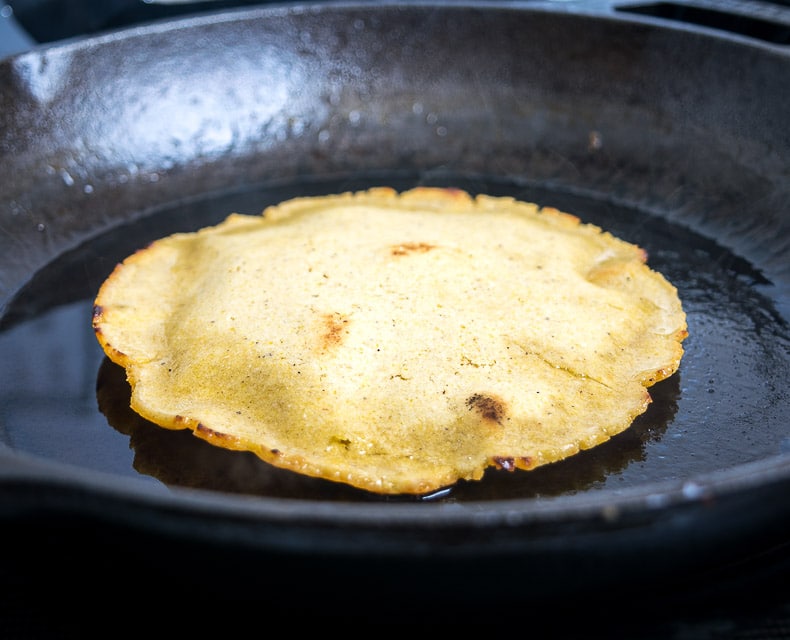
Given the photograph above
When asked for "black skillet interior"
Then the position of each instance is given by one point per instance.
(673, 138)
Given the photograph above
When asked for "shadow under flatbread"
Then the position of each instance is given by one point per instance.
(178, 458)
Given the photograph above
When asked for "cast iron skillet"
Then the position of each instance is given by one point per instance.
(672, 136)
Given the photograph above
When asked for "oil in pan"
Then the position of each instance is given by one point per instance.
(64, 401)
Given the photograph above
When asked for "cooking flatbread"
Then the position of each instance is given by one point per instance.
(398, 343)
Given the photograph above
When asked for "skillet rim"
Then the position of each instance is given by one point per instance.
(18, 469)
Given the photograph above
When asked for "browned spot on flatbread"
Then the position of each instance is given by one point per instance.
(511, 464)
(335, 327)
(508, 464)
(407, 248)
(489, 407)
(217, 438)
(209, 434)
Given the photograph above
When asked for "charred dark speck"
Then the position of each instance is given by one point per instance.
(508, 464)
(488, 406)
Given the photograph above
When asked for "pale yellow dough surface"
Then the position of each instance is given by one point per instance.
(394, 342)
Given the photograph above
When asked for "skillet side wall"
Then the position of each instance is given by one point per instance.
(97, 133)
